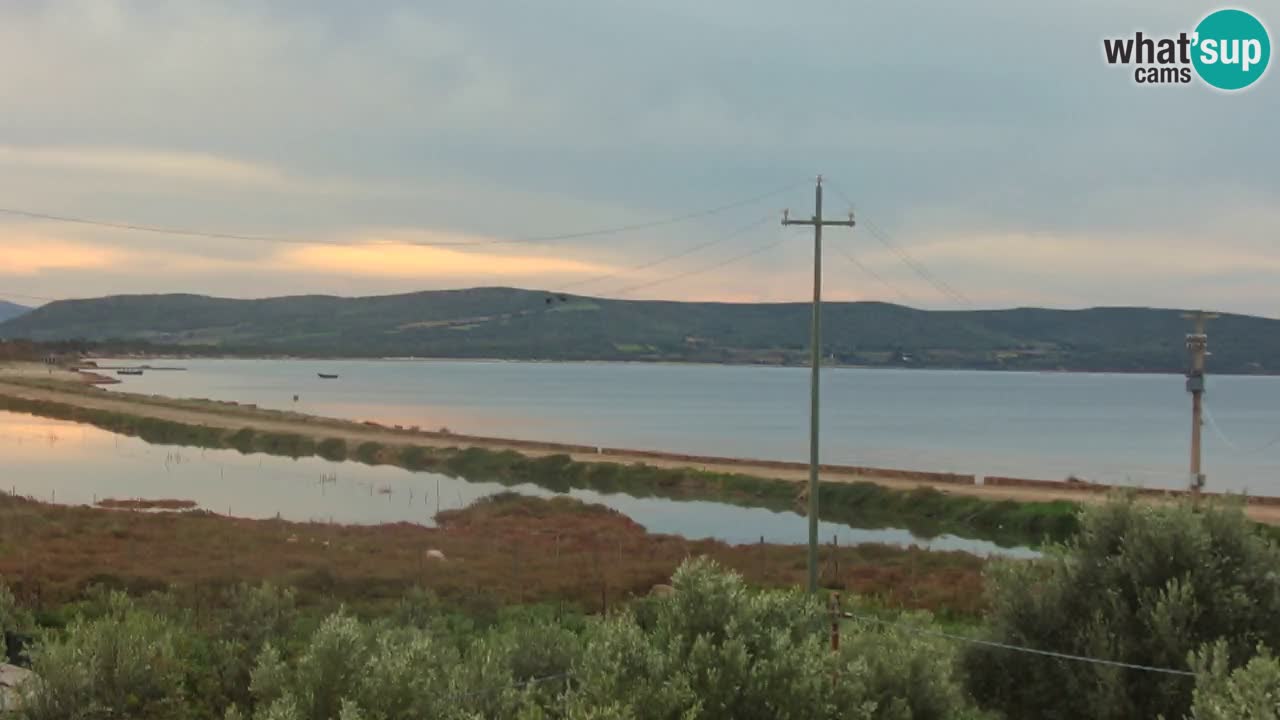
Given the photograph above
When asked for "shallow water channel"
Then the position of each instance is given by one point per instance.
(71, 463)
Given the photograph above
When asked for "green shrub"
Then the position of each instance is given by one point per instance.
(12, 618)
(332, 449)
(243, 440)
(348, 669)
(290, 444)
(715, 649)
(907, 675)
(416, 457)
(369, 452)
(1141, 584)
(251, 617)
(1251, 692)
(124, 664)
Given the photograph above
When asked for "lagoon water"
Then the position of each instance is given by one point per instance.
(69, 463)
(1111, 428)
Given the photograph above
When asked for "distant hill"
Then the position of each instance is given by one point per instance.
(527, 324)
(10, 310)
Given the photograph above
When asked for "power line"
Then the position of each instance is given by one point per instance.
(938, 283)
(918, 268)
(1018, 648)
(146, 228)
(1213, 423)
(190, 232)
(874, 275)
(707, 268)
(667, 258)
(655, 223)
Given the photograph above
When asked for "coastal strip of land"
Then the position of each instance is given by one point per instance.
(36, 384)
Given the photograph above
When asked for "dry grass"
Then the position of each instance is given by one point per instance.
(510, 550)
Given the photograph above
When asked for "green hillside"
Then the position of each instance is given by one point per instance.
(10, 310)
(525, 324)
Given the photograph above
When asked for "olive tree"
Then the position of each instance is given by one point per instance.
(712, 649)
(1250, 692)
(1141, 583)
(717, 649)
(126, 663)
(350, 670)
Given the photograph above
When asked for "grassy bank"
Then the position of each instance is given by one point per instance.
(924, 511)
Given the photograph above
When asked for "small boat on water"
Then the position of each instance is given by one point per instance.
(129, 371)
(327, 376)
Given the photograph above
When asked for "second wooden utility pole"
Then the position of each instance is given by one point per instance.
(1198, 346)
(815, 358)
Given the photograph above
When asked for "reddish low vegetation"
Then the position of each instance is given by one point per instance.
(508, 550)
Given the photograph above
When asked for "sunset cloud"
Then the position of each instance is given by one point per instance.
(398, 258)
(165, 165)
(29, 254)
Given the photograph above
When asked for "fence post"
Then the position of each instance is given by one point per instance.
(761, 560)
(833, 602)
(835, 558)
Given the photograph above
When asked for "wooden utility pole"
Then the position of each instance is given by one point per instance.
(1197, 346)
(815, 359)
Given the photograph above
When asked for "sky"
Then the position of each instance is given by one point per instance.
(987, 142)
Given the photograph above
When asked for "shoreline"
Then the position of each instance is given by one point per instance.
(79, 389)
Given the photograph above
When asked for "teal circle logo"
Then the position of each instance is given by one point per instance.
(1231, 49)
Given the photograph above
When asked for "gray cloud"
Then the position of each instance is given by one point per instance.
(985, 119)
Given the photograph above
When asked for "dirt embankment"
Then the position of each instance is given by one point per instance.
(73, 388)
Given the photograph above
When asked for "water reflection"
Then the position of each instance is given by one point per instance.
(69, 463)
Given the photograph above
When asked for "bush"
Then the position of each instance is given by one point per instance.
(124, 664)
(369, 452)
(12, 619)
(416, 457)
(349, 670)
(243, 440)
(906, 674)
(252, 616)
(1251, 692)
(1140, 584)
(714, 649)
(332, 449)
(15, 622)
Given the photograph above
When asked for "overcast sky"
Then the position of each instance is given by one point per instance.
(987, 138)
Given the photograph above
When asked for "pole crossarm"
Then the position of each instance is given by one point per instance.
(787, 220)
(825, 223)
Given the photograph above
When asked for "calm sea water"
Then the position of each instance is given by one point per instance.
(68, 463)
(1120, 429)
